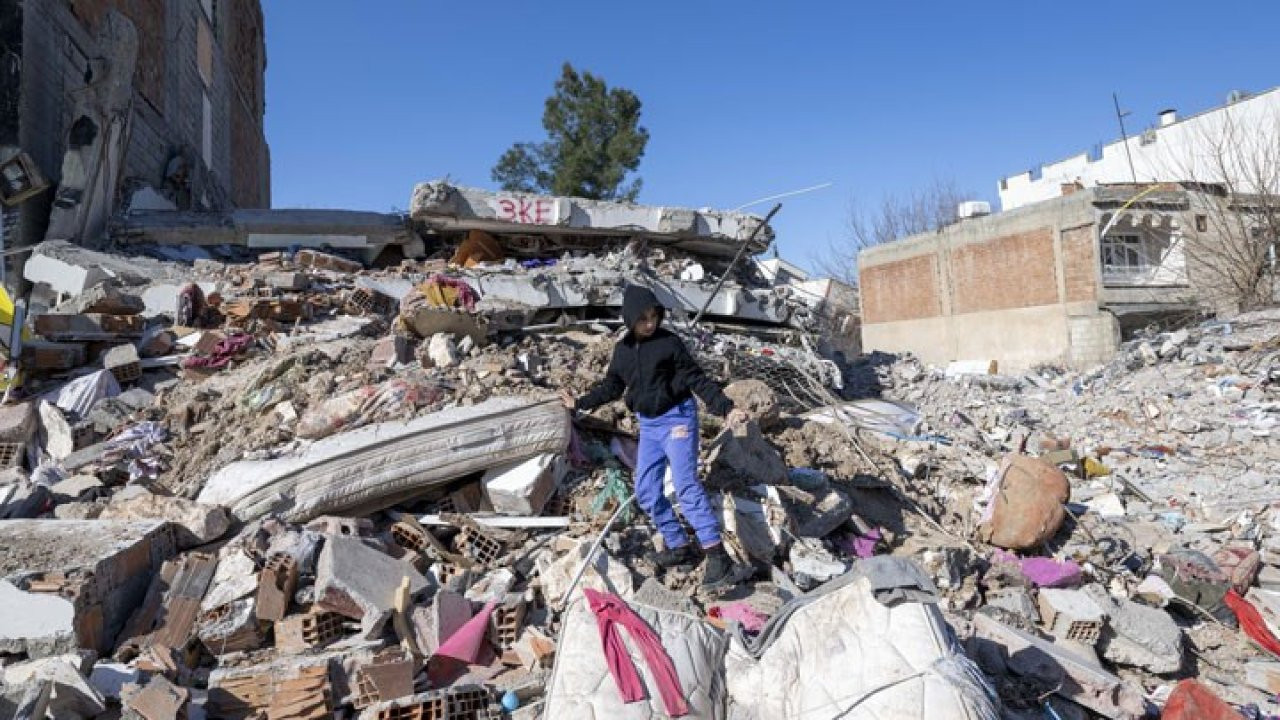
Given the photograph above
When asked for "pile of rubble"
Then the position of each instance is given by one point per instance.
(294, 484)
(1132, 509)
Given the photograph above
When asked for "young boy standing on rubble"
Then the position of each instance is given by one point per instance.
(659, 378)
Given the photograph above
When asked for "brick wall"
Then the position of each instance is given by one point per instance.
(900, 290)
(1008, 272)
(1080, 263)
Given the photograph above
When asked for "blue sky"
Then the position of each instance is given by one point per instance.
(742, 99)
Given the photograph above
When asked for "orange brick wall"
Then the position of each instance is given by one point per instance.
(901, 290)
(1008, 272)
(1080, 263)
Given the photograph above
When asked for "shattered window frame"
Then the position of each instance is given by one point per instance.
(1125, 255)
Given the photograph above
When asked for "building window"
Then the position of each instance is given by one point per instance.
(1202, 223)
(1124, 256)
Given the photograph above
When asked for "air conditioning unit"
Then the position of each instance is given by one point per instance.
(973, 208)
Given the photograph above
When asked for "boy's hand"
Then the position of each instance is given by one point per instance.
(737, 417)
(567, 398)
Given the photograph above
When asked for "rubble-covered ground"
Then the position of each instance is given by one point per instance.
(1091, 539)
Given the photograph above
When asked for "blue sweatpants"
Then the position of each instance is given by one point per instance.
(672, 439)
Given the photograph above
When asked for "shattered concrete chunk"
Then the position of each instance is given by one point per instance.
(743, 455)
(442, 350)
(104, 298)
(35, 624)
(198, 523)
(359, 582)
(1138, 635)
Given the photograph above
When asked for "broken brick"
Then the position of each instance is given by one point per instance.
(124, 363)
(90, 326)
(325, 261)
(159, 700)
(276, 584)
(297, 633)
(388, 677)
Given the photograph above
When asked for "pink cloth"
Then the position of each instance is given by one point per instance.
(1043, 571)
(749, 618)
(465, 644)
(612, 611)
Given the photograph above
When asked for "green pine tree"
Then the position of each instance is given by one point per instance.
(594, 140)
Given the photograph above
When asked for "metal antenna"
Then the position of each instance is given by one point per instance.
(1124, 137)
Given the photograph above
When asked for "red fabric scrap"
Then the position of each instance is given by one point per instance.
(1252, 623)
(612, 611)
(1192, 701)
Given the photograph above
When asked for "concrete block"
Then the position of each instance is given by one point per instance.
(105, 298)
(76, 487)
(123, 363)
(437, 622)
(1138, 635)
(88, 327)
(1083, 682)
(523, 488)
(73, 695)
(1071, 615)
(358, 582)
(111, 562)
(18, 422)
(63, 276)
(289, 281)
(325, 261)
(36, 624)
(56, 435)
(197, 523)
(40, 355)
(442, 350)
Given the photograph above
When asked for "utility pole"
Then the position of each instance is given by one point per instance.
(1124, 137)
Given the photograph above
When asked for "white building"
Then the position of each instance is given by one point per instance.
(1206, 147)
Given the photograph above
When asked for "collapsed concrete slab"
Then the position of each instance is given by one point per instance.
(105, 566)
(266, 228)
(440, 206)
(377, 466)
(1083, 681)
(71, 269)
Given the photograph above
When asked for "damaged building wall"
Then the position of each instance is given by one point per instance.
(1062, 281)
(1019, 288)
(194, 113)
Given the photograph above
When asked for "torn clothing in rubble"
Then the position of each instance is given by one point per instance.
(226, 349)
(671, 439)
(612, 611)
(656, 373)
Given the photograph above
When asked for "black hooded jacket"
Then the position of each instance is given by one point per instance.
(657, 373)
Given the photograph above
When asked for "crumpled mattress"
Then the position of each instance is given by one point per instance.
(846, 655)
(582, 688)
(380, 465)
